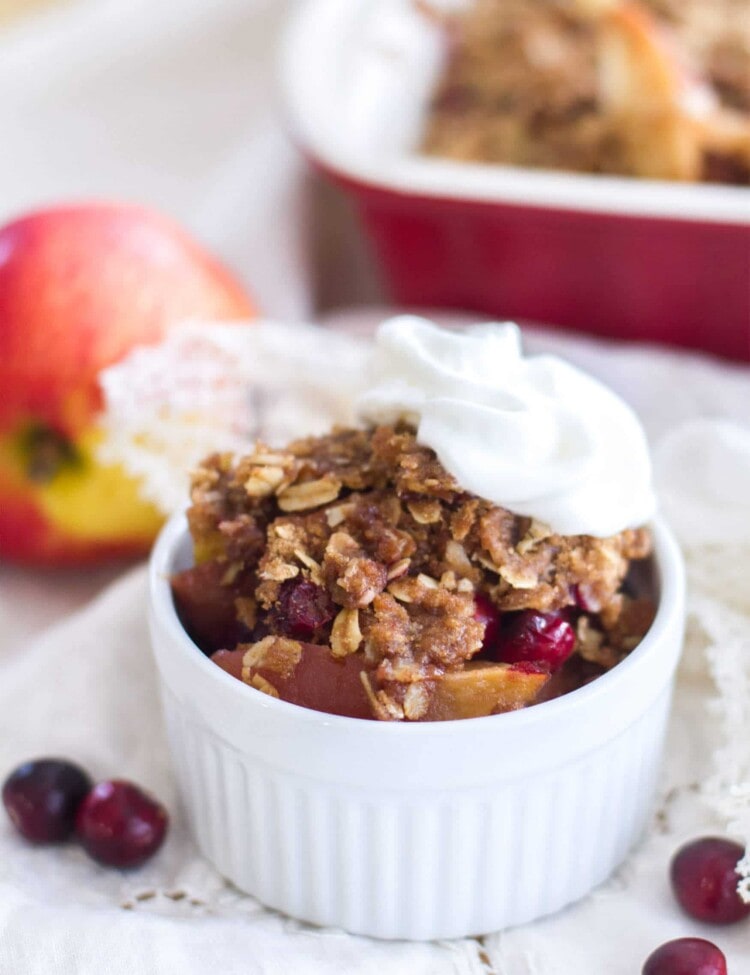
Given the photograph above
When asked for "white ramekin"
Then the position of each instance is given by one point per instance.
(419, 831)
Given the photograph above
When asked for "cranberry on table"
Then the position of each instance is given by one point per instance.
(42, 798)
(486, 612)
(543, 638)
(686, 956)
(704, 880)
(119, 825)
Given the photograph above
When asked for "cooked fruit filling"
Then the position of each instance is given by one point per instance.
(350, 573)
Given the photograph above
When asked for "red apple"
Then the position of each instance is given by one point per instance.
(79, 287)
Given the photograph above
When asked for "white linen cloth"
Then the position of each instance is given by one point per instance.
(172, 104)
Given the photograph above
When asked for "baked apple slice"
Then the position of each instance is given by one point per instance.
(207, 605)
(301, 673)
(309, 675)
(483, 688)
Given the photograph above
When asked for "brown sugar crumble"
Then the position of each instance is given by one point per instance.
(351, 573)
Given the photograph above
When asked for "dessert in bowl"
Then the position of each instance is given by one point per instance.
(475, 551)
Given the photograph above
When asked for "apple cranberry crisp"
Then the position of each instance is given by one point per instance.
(651, 88)
(350, 573)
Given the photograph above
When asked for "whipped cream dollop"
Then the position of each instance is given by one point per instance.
(531, 434)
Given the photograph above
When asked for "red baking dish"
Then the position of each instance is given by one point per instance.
(618, 257)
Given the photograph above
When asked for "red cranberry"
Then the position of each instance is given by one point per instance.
(686, 956)
(42, 798)
(119, 825)
(487, 613)
(545, 638)
(303, 609)
(704, 880)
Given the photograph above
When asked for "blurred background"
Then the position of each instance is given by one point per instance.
(179, 106)
(175, 106)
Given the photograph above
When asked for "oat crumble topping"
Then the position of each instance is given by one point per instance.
(358, 554)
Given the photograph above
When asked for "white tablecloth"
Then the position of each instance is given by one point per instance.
(173, 104)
